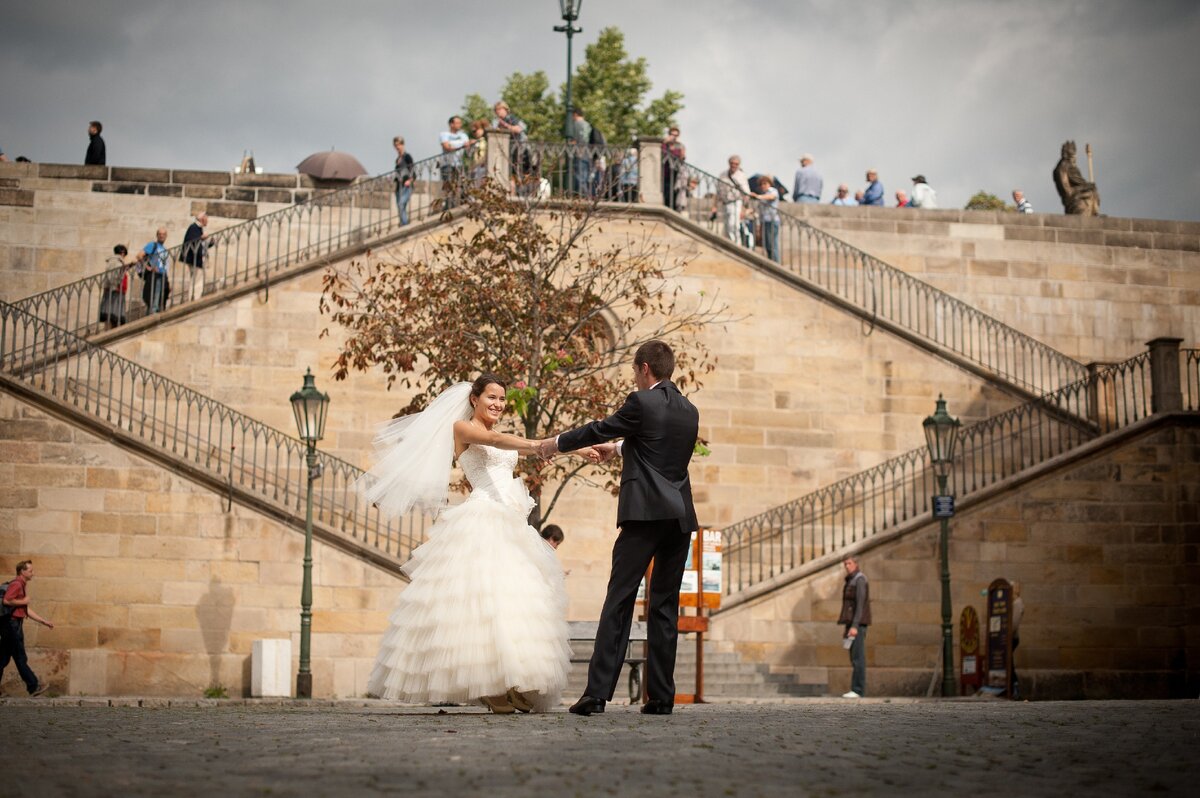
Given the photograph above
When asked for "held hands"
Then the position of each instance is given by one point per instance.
(547, 449)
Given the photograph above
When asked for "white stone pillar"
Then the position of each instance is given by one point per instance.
(650, 171)
(270, 669)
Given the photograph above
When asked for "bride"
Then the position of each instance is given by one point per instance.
(484, 617)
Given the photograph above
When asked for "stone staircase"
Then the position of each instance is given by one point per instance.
(726, 675)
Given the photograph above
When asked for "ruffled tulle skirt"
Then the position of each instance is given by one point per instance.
(485, 611)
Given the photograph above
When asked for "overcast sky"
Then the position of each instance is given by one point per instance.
(975, 94)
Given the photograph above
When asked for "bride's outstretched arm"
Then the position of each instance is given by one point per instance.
(465, 432)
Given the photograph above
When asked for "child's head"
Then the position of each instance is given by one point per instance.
(552, 534)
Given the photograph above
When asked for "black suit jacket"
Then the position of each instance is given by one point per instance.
(659, 427)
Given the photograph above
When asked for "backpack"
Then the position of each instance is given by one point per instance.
(596, 138)
(5, 610)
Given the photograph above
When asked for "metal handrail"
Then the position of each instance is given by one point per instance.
(249, 252)
(883, 290)
(197, 430)
(896, 491)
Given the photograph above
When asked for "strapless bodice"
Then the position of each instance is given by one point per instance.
(490, 472)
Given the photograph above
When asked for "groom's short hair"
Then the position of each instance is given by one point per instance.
(658, 356)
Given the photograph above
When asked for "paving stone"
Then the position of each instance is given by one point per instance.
(796, 748)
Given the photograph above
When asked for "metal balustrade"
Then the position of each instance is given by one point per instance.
(883, 290)
(897, 491)
(197, 430)
(328, 223)
(250, 252)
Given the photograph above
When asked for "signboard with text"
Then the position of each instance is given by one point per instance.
(704, 563)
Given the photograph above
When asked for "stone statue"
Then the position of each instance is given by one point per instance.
(1078, 196)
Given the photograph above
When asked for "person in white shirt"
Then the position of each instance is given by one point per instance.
(923, 195)
(731, 189)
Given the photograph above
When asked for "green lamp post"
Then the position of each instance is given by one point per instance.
(570, 12)
(941, 436)
(310, 407)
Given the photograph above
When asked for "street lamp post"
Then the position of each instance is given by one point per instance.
(570, 12)
(941, 436)
(310, 407)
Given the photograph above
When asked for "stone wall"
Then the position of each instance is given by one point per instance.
(802, 395)
(1108, 555)
(1095, 288)
(153, 586)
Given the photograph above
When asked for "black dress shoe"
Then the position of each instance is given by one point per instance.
(588, 706)
(657, 708)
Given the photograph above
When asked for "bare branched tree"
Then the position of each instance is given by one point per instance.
(529, 290)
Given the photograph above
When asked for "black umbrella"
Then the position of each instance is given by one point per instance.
(331, 165)
(783, 192)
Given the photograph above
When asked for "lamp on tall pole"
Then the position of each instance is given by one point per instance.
(310, 407)
(941, 436)
(570, 12)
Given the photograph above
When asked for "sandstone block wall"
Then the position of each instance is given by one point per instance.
(802, 395)
(1094, 288)
(1108, 555)
(155, 588)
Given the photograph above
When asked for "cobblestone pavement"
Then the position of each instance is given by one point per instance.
(798, 748)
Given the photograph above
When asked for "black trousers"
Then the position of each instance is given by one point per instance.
(12, 648)
(638, 543)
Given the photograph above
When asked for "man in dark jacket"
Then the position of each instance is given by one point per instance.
(856, 617)
(658, 428)
(194, 252)
(96, 156)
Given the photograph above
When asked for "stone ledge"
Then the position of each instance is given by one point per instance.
(158, 190)
(277, 195)
(119, 188)
(239, 194)
(72, 171)
(228, 210)
(22, 198)
(201, 177)
(266, 180)
(204, 192)
(133, 174)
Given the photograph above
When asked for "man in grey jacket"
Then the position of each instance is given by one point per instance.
(856, 617)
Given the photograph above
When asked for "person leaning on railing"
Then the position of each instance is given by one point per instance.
(116, 287)
(403, 179)
(628, 178)
(768, 216)
(453, 142)
(731, 187)
(153, 262)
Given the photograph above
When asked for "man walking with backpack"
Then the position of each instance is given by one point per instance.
(13, 610)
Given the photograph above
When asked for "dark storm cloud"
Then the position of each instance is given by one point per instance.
(976, 94)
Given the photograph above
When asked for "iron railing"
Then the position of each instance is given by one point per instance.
(869, 283)
(250, 252)
(606, 174)
(195, 429)
(898, 490)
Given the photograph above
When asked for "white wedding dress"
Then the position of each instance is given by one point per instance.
(486, 608)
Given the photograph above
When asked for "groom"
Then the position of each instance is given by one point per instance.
(655, 514)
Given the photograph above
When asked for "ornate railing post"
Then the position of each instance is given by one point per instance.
(1166, 391)
(650, 171)
(1099, 399)
(499, 156)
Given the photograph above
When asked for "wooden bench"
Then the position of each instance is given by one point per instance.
(585, 631)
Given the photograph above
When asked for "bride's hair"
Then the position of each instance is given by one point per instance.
(483, 381)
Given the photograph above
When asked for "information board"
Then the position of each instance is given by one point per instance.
(704, 563)
(999, 635)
